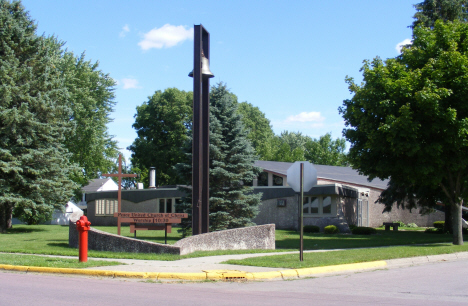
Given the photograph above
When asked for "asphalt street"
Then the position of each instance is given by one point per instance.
(430, 283)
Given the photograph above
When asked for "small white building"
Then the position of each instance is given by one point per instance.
(63, 218)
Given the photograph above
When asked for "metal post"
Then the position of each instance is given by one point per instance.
(200, 143)
(197, 170)
(301, 252)
(205, 209)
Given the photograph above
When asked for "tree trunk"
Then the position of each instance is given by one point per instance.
(457, 223)
(5, 217)
(448, 227)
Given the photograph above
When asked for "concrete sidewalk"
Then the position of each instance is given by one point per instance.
(203, 268)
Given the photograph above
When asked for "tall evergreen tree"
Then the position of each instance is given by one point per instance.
(429, 11)
(34, 118)
(232, 203)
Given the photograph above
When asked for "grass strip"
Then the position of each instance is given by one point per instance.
(319, 259)
(52, 262)
(53, 240)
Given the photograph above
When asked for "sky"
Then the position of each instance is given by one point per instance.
(288, 58)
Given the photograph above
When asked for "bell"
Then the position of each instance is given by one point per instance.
(205, 68)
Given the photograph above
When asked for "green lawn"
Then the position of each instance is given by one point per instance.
(290, 239)
(51, 262)
(53, 239)
(318, 259)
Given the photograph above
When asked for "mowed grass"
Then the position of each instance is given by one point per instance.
(53, 240)
(319, 259)
(320, 241)
(51, 262)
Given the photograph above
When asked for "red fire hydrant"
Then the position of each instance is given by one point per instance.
(83, 226)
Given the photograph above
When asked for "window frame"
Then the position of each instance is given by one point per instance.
(320, 213)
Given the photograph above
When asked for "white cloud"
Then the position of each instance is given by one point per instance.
(165, 37)
(124, 31)
(129, 83)
(401, 44)
(306, 117)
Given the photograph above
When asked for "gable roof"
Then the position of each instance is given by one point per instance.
(333, 173)
(96, 184)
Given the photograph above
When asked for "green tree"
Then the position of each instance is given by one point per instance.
(326, 151)
(91, 101)
(288, 147)
(408, 120)
(161, 124)
(277, 149)
(257, 125)
(34, 119)
(293, 146)
(429, 11)
(232, 203)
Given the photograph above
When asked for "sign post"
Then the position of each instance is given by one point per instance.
(119, 193)
(301, 175)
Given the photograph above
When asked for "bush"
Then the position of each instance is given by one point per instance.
(411, 225)
(352, 226)
(330, 229)
(400, 223)
(439, 224)
(362, 230)
(433, 231)
(311, 229)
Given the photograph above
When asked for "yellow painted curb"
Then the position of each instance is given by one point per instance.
(129, 274)
(153, 275)
(212, 275)
(182, 276)
(267, 275)
(14, 268)
(337, 268)
(289, 273)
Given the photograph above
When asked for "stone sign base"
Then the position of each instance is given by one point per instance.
(254, 237)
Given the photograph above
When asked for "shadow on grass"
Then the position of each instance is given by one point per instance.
(340, 241)
(61, 245)
(23, 230)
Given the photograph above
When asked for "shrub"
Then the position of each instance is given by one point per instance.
(352, 226)
(433, 231)
(361, 230)
(411, 225)
(400, 223)
(311, 229)
(330, 229)
(439, 224)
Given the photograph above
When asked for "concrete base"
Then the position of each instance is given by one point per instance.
(246, 238)
(254, 237)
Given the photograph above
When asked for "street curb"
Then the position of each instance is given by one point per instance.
(206, 275)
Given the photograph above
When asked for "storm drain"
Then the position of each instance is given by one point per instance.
(228, 275)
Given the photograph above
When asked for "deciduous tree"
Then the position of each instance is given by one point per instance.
(91, 99)
(408, 120)
(161, 124)
(257, 125)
